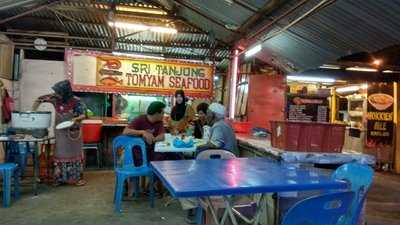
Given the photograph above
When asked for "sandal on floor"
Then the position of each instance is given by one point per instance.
(80, 183)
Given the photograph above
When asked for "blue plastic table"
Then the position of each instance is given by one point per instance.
(205, 178)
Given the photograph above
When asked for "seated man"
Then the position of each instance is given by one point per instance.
(149, 126)
(221, 135)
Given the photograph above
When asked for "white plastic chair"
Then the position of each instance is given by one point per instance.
(215, 154)
(216, 202)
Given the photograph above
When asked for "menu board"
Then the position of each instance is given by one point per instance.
(380, 115)
(308, 108)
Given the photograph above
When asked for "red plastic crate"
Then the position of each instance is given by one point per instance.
(241, 127)
(307, 136)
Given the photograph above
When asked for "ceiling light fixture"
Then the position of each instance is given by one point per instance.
(130, 26)
(348, 89)
(140, 10)
(361, 69)
(311, 79)
(329, 66)
(377, 62)
(167, 30)
(137, 55)
(253, 50)
(142, 27)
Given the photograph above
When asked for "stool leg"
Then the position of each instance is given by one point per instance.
(98, 155)
(152, 190)
(137, 188)
(6, 188)
(199, 215)
(119, 192)
(16, 183)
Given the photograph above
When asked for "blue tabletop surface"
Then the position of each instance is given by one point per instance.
(196, 178)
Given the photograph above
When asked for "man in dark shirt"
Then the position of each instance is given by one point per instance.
(149, 126)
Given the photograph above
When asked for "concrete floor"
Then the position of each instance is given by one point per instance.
(92, 204)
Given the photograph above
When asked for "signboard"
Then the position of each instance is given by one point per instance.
(102, 72)
(380, 115)
(308, 108)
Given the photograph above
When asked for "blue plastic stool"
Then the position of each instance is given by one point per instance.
(320, 210)
(360, 178)
(8, 170)
(125, 168)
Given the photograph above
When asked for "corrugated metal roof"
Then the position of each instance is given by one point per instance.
(10, 4)
(342, 28)
(88, 19)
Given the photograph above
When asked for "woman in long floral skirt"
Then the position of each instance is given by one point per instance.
(68, 160)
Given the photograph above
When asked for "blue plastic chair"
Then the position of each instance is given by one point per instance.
(18, 153)
(9, 170)
(125, 168)
(320, 210)
(360, 178)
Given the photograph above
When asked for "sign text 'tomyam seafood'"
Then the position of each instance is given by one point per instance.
(115, 74)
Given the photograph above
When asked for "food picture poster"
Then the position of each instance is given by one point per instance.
(380, 115)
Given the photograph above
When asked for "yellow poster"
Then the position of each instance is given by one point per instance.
(153, 76)
(92, 71)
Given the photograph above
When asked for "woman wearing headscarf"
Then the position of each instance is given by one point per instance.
(181, 114)
(68, 160)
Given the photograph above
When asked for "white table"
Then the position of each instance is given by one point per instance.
(167, 146)
(29, 139)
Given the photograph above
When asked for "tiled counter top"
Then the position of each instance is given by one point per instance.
(263, 145)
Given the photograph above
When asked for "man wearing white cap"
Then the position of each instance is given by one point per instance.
(222, 135)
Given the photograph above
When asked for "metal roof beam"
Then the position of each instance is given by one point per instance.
(70, 22)
(35, 9)
(246, 6)
(165, 54)
(83, 9)
(176, 44)
(203, 15)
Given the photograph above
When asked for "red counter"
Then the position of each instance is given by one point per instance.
(307, 136)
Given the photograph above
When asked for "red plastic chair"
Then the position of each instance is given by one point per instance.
(91, 136)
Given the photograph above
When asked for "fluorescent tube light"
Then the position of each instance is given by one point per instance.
(311, 79)
(361, 69)
(253, 50)
(142, 27)
(348, 89)
(390, 71)
(331, 67)
(137, 55)
(130, 26)
(168, 30)
(140, 10)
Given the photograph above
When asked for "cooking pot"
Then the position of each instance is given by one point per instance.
(30, 120)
